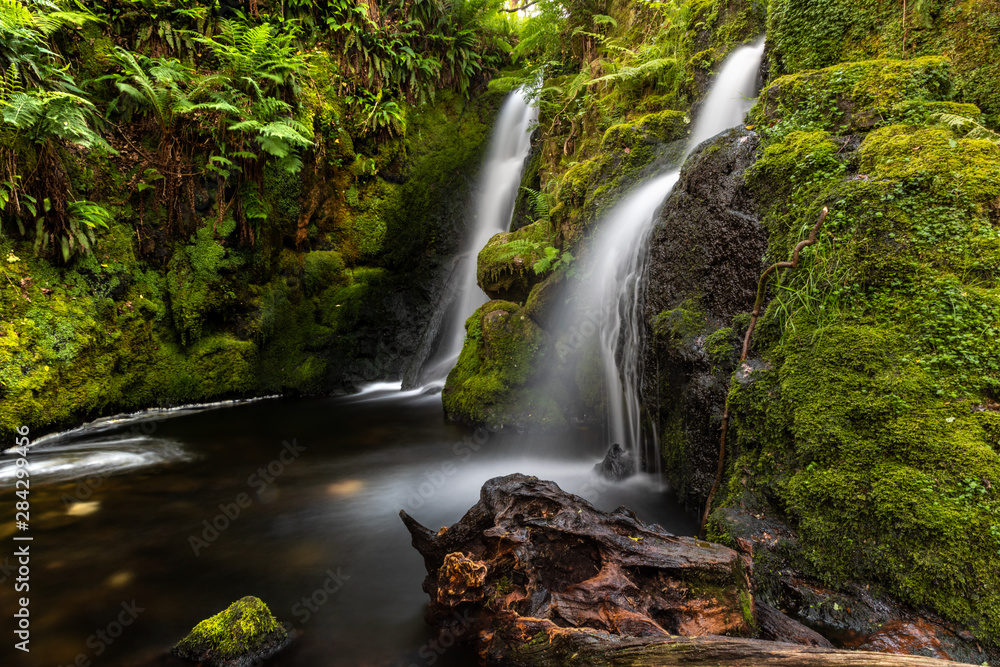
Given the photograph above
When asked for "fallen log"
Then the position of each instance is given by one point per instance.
(562, 647)
(537, 576)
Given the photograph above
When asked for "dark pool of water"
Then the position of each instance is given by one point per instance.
(117, 511)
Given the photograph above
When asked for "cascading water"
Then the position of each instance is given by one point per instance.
(495, 197)
(612, 288)
(731, 96)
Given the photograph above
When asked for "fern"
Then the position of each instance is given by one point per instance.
(538, 204)
(640, 73)
(44, 115)
(967, 126)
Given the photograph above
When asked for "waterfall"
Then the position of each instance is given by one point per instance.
(495, 197)
(731, 95)
(614, 273)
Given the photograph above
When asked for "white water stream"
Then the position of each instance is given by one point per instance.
(495, 197)
(614, 272)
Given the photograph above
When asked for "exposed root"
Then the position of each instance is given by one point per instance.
(758, 304)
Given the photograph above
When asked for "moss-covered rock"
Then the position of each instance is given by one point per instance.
(243, 634)
(654, 128)
(508, 266)
(858, 96)
(500, 379)
(591, 187)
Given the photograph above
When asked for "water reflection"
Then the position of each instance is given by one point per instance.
(212, 520)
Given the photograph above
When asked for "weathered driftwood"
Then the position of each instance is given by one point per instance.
(529, 549)
(537, 576)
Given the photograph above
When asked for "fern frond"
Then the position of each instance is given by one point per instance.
(968, 126)
(648, 70)
(23, 110)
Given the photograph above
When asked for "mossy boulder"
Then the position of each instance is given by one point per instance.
(506, 266)
(499, 380)
(858, 96)
(244, 634)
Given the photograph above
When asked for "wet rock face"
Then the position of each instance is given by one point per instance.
(617, 464)
(706, 256)
(528, 550)
(709, 241)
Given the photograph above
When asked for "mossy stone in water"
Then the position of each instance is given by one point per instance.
(243, 634)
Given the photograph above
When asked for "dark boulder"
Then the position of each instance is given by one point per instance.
(618, 464)
(706, 256)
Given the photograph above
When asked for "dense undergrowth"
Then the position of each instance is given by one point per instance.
(227, 199)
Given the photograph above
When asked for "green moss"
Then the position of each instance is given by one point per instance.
(588, 189)
(495, 382)
(721, 346)
(680, 326)
(323, 268)
(195, 284)
(659, 127)
(806, 34)
(863, 430)
(853, 96)
(449, 140)
(880, 479)
(243, 632)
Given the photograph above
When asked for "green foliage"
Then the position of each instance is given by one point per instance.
(25, 48)
(967, 126)
(161, 86)
(52, 116)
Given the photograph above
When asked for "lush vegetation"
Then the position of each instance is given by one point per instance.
(231, 199)
(222, 198)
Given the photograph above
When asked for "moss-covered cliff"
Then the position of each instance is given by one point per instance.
(865, 417)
